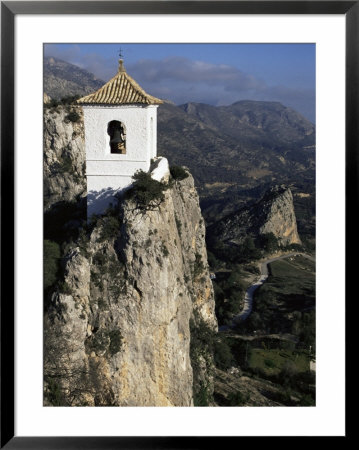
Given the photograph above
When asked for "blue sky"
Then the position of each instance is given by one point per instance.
(218, 74)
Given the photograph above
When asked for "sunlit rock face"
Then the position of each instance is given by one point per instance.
(274, 213)
(132, 287)
(64, 156)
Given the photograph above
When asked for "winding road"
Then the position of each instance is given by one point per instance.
(248, 299)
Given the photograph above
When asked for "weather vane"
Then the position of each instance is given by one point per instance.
(120, 53)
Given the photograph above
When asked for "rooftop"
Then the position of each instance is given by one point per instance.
(120, 90)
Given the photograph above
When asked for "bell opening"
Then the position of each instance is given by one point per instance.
(117, 132)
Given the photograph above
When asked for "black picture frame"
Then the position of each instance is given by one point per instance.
(9, 9)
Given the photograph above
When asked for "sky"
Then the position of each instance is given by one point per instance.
(217, 74)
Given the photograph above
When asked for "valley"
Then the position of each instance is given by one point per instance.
(270, 346)
(253, 166)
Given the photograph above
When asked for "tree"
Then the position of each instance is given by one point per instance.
(146, 192)
(223, 357)
(268, 242)
(178, 173)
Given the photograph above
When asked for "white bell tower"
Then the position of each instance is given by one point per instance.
(120, 137)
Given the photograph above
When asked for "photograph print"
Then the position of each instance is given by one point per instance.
(179, 225)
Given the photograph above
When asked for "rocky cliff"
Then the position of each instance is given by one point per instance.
(122, 323)
(64, 154)
(274, 213)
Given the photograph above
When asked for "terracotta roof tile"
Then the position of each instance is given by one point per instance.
(120, 90)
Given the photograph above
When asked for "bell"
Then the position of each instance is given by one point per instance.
(117, 137)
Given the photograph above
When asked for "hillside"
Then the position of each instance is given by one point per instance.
(62, 79)
(242, 145)
(272, 214)
(235, 152)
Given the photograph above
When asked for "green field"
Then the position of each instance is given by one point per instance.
(285, 303)
(294, 277)
(290, 266)
(290, 286)
(273, 361)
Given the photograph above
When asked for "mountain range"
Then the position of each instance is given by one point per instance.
(234, 152)
(62, 79)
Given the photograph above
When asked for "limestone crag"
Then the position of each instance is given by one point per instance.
(64, 155)
(274, 213)
(123, 311)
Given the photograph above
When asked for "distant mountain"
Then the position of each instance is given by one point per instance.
(62, 79)
(234, 152)
(241, 143)
(273, 213)
(263, 123)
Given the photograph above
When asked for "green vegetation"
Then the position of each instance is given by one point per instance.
(178, 173)
(115, 342)
(240, 349)
(147, 193)
(268, 242)
(107, 272)
(100, 259)
(65, 165)
(51, 263)
(110, 228)
(164, 250)
(64, 221)
(64, 288)
(238, 398)
(273, 361)
(53, 393)
(246, 252)
(73, 116)
(223, 356)
(201, 354)
(202, 397)
(229, 293)
(179, 225)
(285, 303)
(197, 266)
(69, 100)
(105, 341)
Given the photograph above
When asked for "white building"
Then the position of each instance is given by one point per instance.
(120, 137)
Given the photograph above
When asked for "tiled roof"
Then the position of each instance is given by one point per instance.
(120, 90)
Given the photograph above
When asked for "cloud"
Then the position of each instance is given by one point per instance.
(196, 72)
(183, 80)
(103, 68)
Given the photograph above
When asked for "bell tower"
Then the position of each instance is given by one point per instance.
(120, 137)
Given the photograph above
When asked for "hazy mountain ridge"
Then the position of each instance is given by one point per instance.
(211, 136)
(255, 120)
(234, 152)
(62, 79)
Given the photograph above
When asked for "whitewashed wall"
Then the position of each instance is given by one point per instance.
(108, 172)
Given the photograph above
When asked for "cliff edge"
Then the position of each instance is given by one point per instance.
(134, 290)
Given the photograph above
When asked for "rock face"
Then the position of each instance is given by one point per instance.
(274, 213)
(122, 315)
(64, 155)
(62, 79)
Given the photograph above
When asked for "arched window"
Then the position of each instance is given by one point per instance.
(117, 132)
